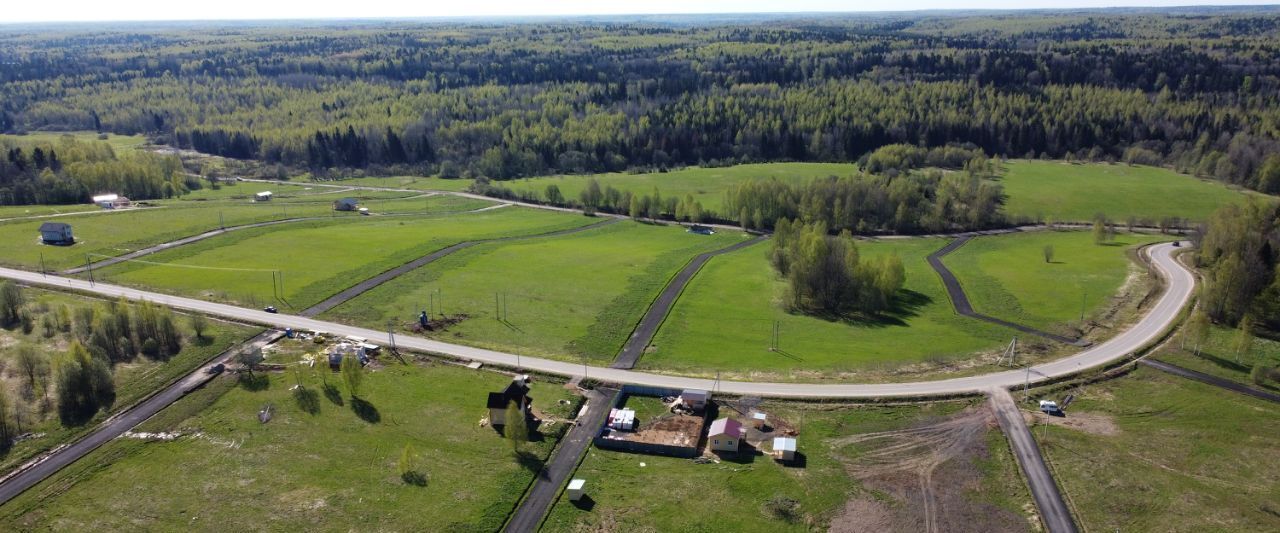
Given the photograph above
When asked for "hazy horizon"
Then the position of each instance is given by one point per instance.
(243, 10)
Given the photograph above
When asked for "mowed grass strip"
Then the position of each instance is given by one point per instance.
(317, 465)
(1006, 276)
(565, 297)
(706, 184)
(1183, 456)
(318, 258)
(419, 183)
(724, 322)
(1067, 192)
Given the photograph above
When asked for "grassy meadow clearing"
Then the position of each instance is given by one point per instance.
(323, 462)
(1007, 276)
(568, 296)
(724, 322)
(1156, 452)
(117, 233)
(1076, 192)
(318, 258)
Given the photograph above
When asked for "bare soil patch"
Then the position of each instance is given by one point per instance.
(925, 476)
(1092, 423)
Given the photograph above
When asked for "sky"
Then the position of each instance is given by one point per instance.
(102, 10)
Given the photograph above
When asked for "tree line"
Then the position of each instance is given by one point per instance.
(1240, 251)
(69, 171)
(1195, 90)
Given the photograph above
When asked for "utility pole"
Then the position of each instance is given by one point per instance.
(497, 315)
(89, 266)
(221, 223)
(391, 336)
(505, 316)
(1026, 385)
(1082, 300)
(42, 271)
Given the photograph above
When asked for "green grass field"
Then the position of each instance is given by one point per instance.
(574, 295)
(1184, 456)
(724, 321)
(116, 233)
(20, 211)
(318, 258)
(317, 465)
(1007, 277)
(134, 380)
(707, 185)
(418, 183)
(119, 143)
(1065, 192)
(638, 492)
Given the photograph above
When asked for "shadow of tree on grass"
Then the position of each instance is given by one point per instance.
(365, 410)
(308, 400)
(333, 394)
(254, 381)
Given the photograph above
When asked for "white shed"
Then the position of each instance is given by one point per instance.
(575, 489)
(784, 448)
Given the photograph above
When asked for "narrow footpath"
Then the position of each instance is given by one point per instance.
(1210, 379)
(960, 300)
(1053, 509)
(528, 516)
(658, 310)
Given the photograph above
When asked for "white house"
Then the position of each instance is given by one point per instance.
(784, 448)
(264, 196)
(695, 399)
(111, 201)
(56, 233)
(725, 435)
(345, 204)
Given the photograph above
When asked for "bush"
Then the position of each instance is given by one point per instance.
(782, 508)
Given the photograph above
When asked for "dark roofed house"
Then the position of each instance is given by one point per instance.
(345, 204)
(56, 233)
(518, 392)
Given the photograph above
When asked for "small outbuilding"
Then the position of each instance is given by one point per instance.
(784, 448)
(759, 420)
(575, 489)
(622, 419)
(264, 196)
(695, 399)
(56, 233)
(517, 392)
(725, 435)
(345, 204)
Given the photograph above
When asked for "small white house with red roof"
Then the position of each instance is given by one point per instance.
(725, 435)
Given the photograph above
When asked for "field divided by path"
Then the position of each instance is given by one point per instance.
(564, 297)
(318, 258)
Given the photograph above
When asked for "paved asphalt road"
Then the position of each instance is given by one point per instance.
(1212, 380)
(960, 300)
(547, 485)
(1180, 284)
(114, 427)
(1053, 509)
(644, 332)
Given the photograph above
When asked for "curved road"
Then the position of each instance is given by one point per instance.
(960, 300)
(1180, 285)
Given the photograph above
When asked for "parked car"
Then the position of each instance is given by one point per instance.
(216, 369)
(270, 309)
(1050, 407)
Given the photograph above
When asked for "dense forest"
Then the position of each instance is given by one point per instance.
(1240, 249)
(1196, 90)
